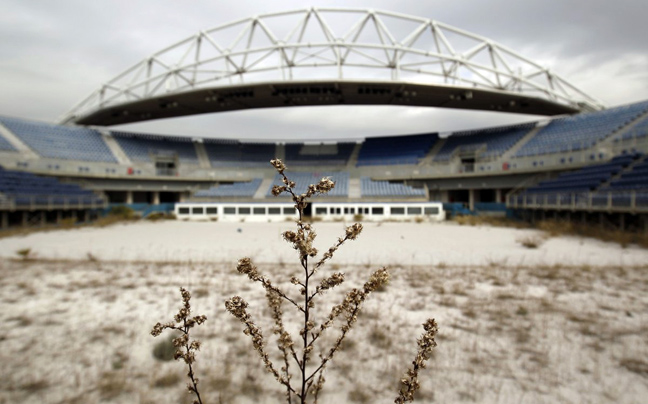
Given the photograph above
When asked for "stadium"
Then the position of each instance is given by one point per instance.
(570, 158)
(579, 158)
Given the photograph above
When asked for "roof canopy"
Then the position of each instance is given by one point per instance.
(329, 56)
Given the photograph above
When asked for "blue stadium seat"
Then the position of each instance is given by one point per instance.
(237, 189)
(299, 154)
(60, 142)
(224, 153)
(5, 145)
(496, 141)
(303, 180)
(140, 147)
(580, 131)
(369, 187)
(26, 188)
(395, 149)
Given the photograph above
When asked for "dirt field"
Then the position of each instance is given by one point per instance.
(516, 324)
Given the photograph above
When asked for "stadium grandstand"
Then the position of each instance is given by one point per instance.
(576, 158)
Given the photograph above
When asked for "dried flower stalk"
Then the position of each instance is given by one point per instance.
(311, 381)
(186, 323)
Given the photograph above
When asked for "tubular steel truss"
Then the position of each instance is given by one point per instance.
(332, 44)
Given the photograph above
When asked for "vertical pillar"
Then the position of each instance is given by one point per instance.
(5, 219)
(43, 218)
(498, 195)
(84, 216)
(24, 218)
(622, 221)
(156, 197)
(129, 197)
(73, 215)
(445, 196)
(59, 216)
(471, 200)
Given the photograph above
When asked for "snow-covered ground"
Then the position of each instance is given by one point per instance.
(566, 322)
(384, 244)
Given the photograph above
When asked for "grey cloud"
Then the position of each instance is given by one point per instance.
(54, 53)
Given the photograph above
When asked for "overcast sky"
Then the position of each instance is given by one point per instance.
(53, 53)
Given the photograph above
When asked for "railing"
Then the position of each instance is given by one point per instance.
(33, 202)
(613, 201)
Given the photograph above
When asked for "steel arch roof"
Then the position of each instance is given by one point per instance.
(329, 56)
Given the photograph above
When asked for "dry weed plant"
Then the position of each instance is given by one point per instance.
(299, 352)
(531, 241)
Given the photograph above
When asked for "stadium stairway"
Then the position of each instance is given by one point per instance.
(353, 159)
(263, 188)
(616, 136)
(203, 158)
(618, 175)
(280, 152)
(17, 143)
(427, 160)
(117, 151)
(511, 152)
(355, 190)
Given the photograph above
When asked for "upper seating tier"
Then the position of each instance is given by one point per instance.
(580, 131)
(141, 147)
(60, 142)
(303, 180)
(300, 154)
(237, 189)
(494, 141)
(395, 149)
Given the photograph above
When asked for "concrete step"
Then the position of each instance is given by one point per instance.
(17, 143)
(263, 188)
(114, 147)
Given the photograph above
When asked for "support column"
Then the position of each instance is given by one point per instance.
(59, 216)
(43, 218)
(622, 221)
(24, 218)
(5, 219)
(73, 215)
(498, 195)
(156, 197)
(84, 216)
(129, 197)
(471, 200)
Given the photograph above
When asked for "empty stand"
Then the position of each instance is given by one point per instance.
(300, 154)
(5, 145)
(61, 142)
(580, 131)
(223, 153)
(638, 131)
(303, 180)
(492, 142)
(368, 187)
(29, 189)
(237, 189)
(141, 147)
(395, 149)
